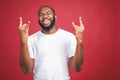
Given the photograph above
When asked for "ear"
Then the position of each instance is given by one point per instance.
(55, 17)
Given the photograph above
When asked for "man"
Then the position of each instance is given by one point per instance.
(50, 51)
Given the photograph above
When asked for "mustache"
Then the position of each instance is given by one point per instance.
(46, 19)
(48, 27)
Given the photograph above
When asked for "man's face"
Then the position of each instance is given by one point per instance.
(46, 18)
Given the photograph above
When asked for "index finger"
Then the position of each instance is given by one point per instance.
(75, 26)
(20, 21)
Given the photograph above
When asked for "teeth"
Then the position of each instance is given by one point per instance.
(46, 21)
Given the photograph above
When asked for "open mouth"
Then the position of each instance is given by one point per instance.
(46, 21)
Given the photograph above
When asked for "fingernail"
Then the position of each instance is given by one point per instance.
(72, 22)
(80, 17)
(28, 21)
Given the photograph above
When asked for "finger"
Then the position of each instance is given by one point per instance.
(28, 22)
(23, 26)
(75, 26)
(20, 21)
(27, 25)
(81, 23)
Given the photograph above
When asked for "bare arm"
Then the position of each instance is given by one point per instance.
(26, 62)
(77, 60)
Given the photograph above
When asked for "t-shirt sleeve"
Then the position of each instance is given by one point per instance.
(31, 48)
(71, 46)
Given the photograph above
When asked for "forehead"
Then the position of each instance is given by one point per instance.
(45, 9)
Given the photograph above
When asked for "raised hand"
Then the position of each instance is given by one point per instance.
(79, 30)
(23, 29)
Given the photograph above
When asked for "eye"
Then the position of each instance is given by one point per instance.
(49, 13)
(41, 14)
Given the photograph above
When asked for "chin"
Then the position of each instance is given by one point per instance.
(46, 25)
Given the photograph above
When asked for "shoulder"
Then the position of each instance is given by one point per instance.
(66, 33)
(34, 36)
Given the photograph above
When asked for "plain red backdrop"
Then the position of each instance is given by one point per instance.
(101, 42)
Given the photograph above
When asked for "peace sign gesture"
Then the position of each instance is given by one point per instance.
(23, 29)
(79, 30)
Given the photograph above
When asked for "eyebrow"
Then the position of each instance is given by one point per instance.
(46, 12)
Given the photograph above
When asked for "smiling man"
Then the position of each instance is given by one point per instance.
(46, 18)
(49, 52)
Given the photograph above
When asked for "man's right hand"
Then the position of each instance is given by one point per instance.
(23, 30)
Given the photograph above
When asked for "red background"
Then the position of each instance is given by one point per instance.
(101, 42)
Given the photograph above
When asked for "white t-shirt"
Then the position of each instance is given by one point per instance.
(51, 53)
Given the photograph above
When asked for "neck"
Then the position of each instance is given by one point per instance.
(52, 31)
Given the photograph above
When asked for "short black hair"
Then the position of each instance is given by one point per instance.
(47, 7)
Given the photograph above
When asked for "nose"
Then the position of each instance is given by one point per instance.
(45, 15)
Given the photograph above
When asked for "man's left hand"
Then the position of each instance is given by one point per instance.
(79, 30)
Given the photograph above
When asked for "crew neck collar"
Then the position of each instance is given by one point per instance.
(49, 34)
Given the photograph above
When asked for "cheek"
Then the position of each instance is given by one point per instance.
(40, 19)
(51, 16)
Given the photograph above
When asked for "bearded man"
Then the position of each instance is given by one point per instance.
(50, 51)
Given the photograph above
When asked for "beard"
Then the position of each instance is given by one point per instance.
(47, 28)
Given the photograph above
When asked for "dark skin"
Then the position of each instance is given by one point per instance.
(27, 63)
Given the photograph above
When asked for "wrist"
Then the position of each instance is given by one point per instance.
(23, 40)
(79, 41)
